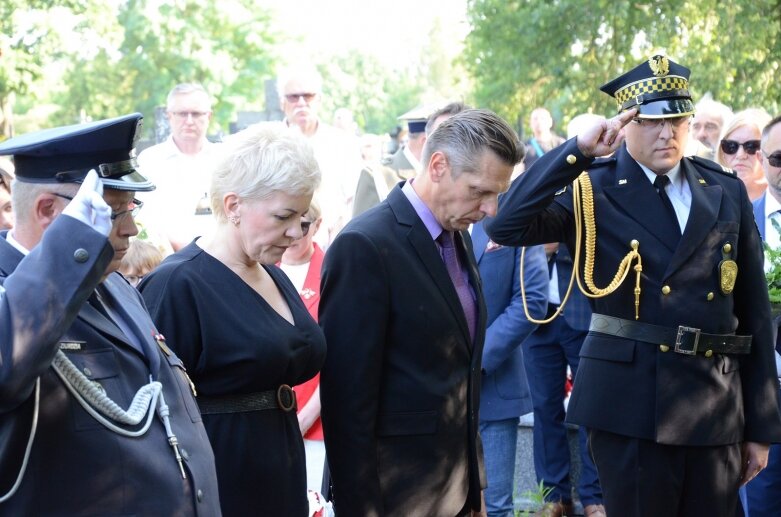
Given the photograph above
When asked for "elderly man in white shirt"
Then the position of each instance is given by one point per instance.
(181, 167)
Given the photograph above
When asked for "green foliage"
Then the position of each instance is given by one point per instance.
(536, 498)
(773, 275)
(556, 53)
(375, 95)
(227, 47)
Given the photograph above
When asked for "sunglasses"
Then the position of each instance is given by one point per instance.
(774, 159)
(731, 146)
(292, 98)
(305, 225)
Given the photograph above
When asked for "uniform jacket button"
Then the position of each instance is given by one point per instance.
(571, 159)
(664, 348)
(666, 290)
(81, 255)
(199, 495)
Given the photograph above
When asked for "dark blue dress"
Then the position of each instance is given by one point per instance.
(233, 342)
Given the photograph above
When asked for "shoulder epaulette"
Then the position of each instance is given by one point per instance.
(711, 165)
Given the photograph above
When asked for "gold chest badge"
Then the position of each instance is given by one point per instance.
(728, 270)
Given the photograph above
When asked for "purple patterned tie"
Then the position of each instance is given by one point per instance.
(450, 256)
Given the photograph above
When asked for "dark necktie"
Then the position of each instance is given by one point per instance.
(450, 256)
(660, 183)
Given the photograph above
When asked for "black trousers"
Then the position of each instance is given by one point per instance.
(641, 478)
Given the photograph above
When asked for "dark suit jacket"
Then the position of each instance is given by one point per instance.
(505, 390)
(631, 387)
(400, 385)
(77, 466)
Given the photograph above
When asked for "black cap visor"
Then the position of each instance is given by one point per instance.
(665, 108)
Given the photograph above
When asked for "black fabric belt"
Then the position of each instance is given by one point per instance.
(684, 340)
(283, 398)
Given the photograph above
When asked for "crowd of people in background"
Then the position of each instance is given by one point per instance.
(269, 257)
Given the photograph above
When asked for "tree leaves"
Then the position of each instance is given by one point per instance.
(557, 53)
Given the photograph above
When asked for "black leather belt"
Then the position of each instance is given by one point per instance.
(283, 398)
(686, 340)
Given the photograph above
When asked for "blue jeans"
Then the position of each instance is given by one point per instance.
(499, 441)
(546, 354)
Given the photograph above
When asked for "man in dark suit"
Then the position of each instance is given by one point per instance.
(676, 381)
(504, 394)
(762, 497)
(547, 353)
(403, 312)
(76, 344)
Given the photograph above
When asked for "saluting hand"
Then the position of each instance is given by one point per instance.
(88, 205)
(606, 136)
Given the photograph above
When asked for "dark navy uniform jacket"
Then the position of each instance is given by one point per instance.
(77, 466)
(634, 388)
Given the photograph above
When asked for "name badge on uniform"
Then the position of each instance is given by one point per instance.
(71, 345)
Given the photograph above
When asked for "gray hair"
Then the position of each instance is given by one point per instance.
(465, 136)
(265, 158)
(302, 72)
(707, 105)
(448, 110)
(184, 89)
(24, 193)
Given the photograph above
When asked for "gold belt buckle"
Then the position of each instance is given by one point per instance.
(286, 398)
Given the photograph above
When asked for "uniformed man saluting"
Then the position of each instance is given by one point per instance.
(77, 345)
(676, 381)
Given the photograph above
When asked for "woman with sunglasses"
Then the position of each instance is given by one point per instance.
(738, 149)
(238, 324)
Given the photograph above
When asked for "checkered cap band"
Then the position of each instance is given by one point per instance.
(652, 85)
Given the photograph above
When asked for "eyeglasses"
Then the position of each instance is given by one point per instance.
(305, 227)
(292, 98)
(731, 146)
(774, 159)
(658, 123)
(134, 280)
(133, 207)
(184, 115)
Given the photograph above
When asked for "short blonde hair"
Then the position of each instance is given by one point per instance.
(142, 256)
(752, 117)
(263, 159)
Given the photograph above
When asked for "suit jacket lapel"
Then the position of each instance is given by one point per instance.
(426, 249)
(706, 200)
(637, 196)
(479, 240)
(137, 320)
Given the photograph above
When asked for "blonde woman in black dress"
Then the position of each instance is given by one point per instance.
(239, 325)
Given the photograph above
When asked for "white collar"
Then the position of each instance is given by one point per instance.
(9, 238)
(676, 178)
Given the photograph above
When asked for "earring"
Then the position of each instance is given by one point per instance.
(234, 220)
